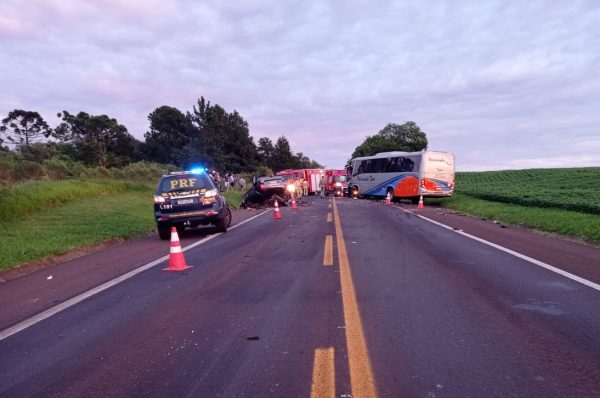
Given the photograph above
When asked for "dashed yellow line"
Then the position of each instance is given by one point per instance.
(329, 206)
(323, 377)
(329, 219)
(361, 374)
(328, 253)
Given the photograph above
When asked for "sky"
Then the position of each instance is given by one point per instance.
(502, 84)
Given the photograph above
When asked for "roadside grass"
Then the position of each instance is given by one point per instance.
(572, 189)
(564, 222)
(81, 222)
(234, 198)
(34, 197)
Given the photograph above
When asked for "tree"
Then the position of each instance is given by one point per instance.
(170, 131)
(99, 140)
(22, 128)
(282, 155)
(224, 138)
(265, 150)
(407, 137)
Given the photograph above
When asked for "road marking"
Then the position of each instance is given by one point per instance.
(323, 377)
(328, 253)
(514, 253)
(77, 299)
(329, 206)
(361, 375)
(329, 217)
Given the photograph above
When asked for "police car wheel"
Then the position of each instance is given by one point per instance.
(164, 233)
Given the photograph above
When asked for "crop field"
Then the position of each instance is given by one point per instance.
(576, 189)
(559, 201)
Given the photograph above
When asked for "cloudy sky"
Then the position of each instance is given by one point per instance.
(502, 84)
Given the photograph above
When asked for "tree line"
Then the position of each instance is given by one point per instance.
(207, 135)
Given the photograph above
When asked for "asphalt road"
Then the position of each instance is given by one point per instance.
(406, 309)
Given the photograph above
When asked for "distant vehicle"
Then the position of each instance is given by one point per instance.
(335, 182)
(267, 188)
(293, 179)
(403, 174)
(312, 176)
(189, 199)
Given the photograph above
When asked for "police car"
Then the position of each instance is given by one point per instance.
(189, 199)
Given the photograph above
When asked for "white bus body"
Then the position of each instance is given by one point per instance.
(403, 174)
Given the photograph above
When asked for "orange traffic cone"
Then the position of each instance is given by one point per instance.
(176, 259)
(388, 199)
(294, 205)
(276, 213)
(420, 206)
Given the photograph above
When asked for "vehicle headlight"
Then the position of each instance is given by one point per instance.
(211, 193)
(291, 188)
(338, 184)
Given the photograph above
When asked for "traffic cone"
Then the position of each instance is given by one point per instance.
(276, 213)
(176, 259)
(420, 206)
(294, 205)
(388, 199)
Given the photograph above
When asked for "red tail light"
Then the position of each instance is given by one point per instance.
(261, 186)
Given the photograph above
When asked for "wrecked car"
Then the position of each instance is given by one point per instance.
(266, 190)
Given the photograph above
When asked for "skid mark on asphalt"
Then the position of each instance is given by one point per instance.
(323, 376)
(361, 374)
(328, 253)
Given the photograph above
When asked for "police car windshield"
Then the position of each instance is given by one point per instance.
(184, 182)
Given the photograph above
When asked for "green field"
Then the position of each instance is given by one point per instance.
(576, 189)
(44, 218)
(563, 201)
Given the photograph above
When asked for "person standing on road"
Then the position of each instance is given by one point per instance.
(322, 186)
(305, 187)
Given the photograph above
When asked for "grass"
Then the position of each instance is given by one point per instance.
(562, 201)
(74, 225)
(44, 218)
(39, 196)
(575, 189)
(234, 198)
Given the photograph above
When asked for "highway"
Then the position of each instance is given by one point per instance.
(340, 298)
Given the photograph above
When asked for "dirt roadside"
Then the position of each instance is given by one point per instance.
(35, 287)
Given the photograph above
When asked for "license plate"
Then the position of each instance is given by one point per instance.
(185, 201)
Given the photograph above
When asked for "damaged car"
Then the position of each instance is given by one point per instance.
(266, 190)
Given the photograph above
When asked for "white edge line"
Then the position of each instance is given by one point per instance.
(77, 299)
(514, 253)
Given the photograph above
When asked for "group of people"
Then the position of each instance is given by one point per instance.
(229, 180)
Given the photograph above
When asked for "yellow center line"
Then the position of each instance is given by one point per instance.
(328, 217)
(323, 377)
(329, 206)
(328, 254)
(361, 375)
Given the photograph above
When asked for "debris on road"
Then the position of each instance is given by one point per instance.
(49, 277)
(252, 338)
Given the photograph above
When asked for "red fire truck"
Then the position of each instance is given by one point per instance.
(335, 182)
(312, 176)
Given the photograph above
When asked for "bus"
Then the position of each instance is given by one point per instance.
(407, 175)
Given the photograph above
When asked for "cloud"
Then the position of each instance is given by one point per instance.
(482, 79)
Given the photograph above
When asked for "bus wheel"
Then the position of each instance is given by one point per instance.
(390, 191)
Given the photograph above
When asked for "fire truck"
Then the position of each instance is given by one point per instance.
(312, 176)
(336, 182)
